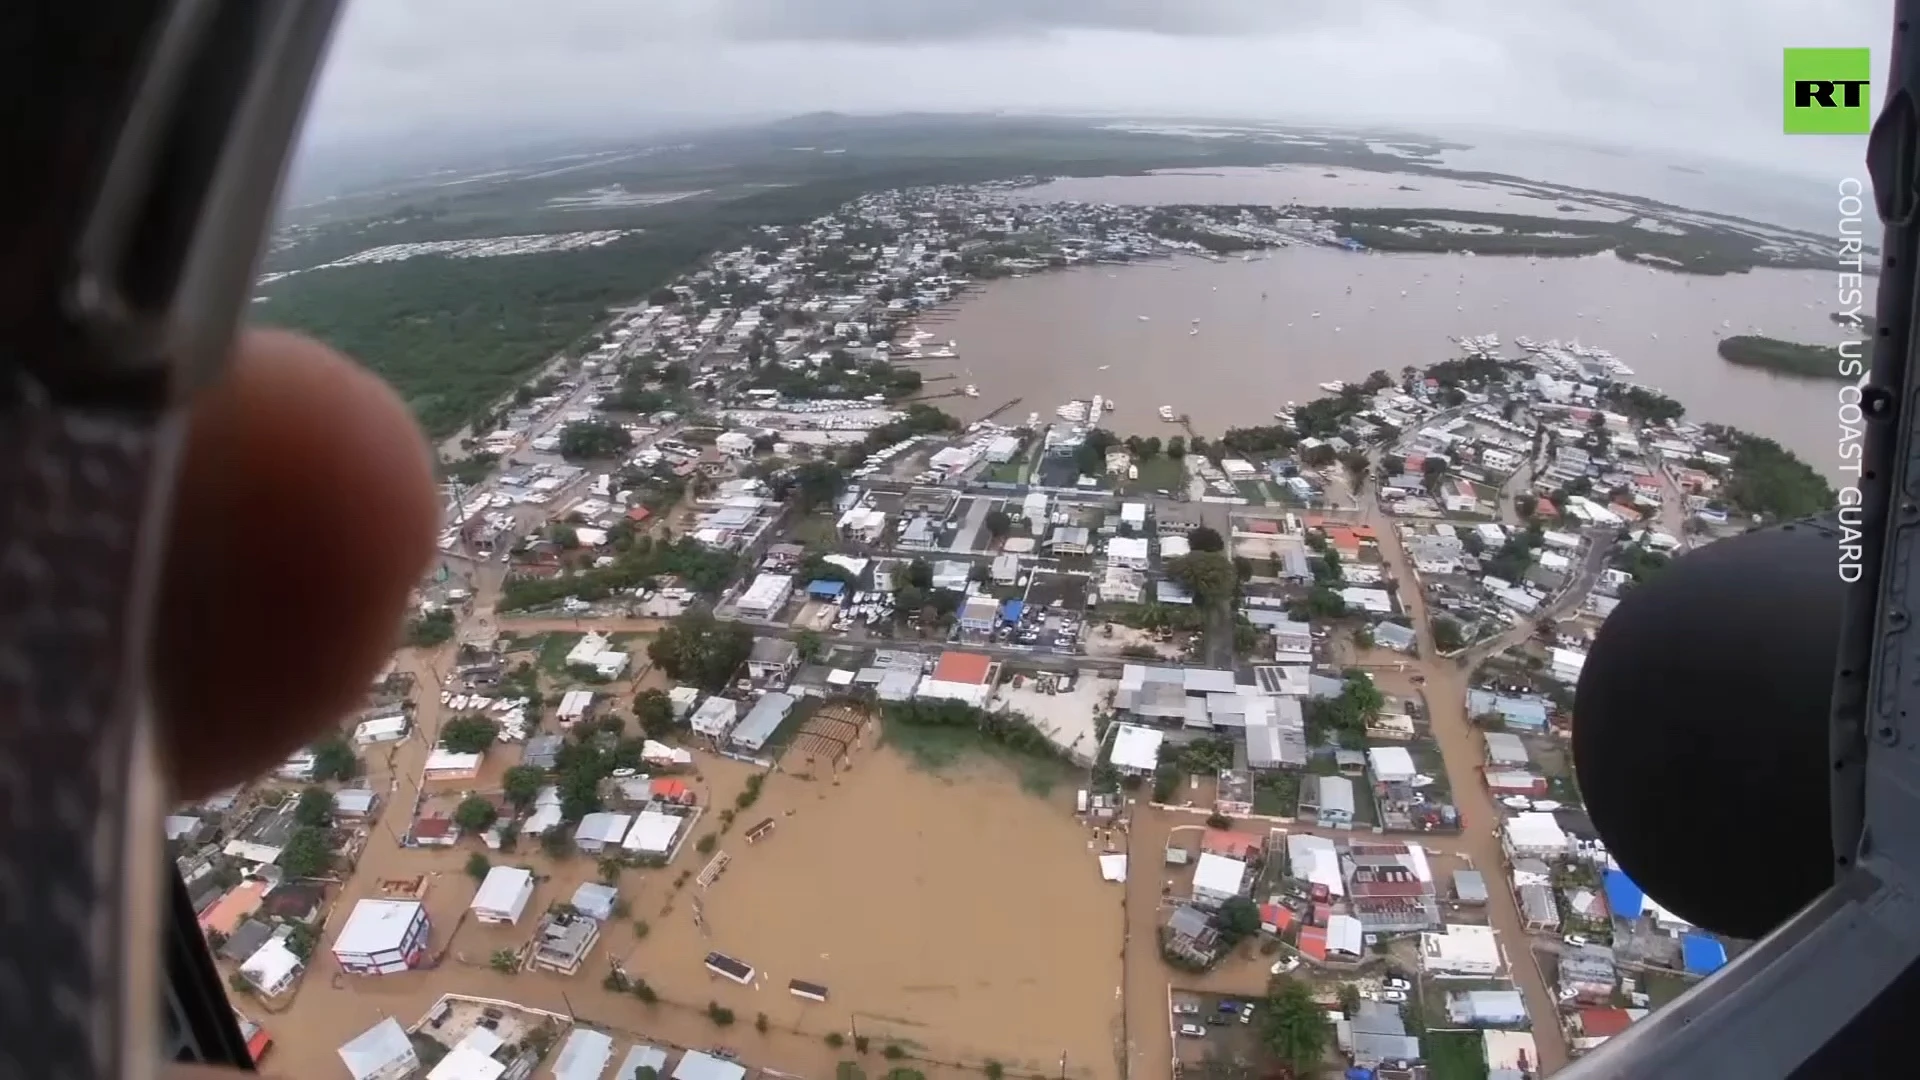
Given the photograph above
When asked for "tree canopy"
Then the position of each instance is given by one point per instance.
(1293, 1026)
(699, 649)
(475, 814)
(586, 440)
(654, 710)
(470, 734)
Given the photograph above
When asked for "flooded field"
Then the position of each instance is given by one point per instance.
(955, 915)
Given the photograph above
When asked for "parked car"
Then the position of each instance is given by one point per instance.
(1575, 940)
(1398, 984)
(1193, 1031)
(1187, 1008)
(1394, 997)
(1246, 1013)
(1229, 1005)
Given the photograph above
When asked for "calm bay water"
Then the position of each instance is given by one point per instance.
(1050, 338)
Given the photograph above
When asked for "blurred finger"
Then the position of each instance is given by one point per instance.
(305, 512)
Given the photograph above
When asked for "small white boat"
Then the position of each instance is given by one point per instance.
(1144, 318)
(1166, 413)
(1333, 386)
(1104, 367)
(1192, 332)
(1316, 314)
(971, 391)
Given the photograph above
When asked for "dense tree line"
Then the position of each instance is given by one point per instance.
(1786, 357)
(647, 560)
(1768, 480)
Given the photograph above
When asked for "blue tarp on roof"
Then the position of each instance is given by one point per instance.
(1010, 611)
(1703, 953)
(1624, 898)
(826, 588)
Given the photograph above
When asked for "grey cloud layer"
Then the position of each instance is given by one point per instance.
(1688, 73)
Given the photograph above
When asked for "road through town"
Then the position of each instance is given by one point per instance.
(1463, 751)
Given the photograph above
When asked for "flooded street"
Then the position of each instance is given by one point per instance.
(1047, 338)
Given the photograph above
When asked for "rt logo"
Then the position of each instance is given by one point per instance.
(1827, 92)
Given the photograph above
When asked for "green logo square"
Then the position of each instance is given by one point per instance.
(1827, 92)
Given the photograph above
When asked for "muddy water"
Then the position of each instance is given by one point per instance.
(894, 888)
(955, 913)
(1047, 338)
(1309, 186)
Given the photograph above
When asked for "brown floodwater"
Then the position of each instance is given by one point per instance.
(1309, 185)
(1053, 337)
(955, 914)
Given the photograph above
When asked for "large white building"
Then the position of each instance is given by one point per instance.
(383, 937)
(766, 596)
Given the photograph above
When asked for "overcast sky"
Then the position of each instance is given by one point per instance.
(1699, 74)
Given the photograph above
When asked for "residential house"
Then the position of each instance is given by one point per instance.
(1292, 641)
(1505, 750)
(1006, 569)
(1587, 973)
(503, 895)
(761, 721)
(1595, 1024)
(961, 676)
(600, 831)
(382, 937)
(1461, 952)
(1217, 879)
(575, 706)
(1391, 635)
(715, 717)
(1173, 696)
(641, 1056)
(382, 1052)
(1333, 804)
(766, 597)
(563, 940)
(772, 660)
(273, 968)
(1136, 749)
(1190, 933)
(1390, 887)
(1469, 888)
(1533, 834)
(695, 1065)
(445, 764)
(1486, 1008)
(1069, 540)
(1380, 1036)
(1128, 551)
(979, 614)
(1393, 773)
(583, 1056)
(1539, 911)
(265, 835)
(1523, 713)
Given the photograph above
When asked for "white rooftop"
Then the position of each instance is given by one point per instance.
(376, 926)
(1218, 874)
(1136, 747)
(375, 1049)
